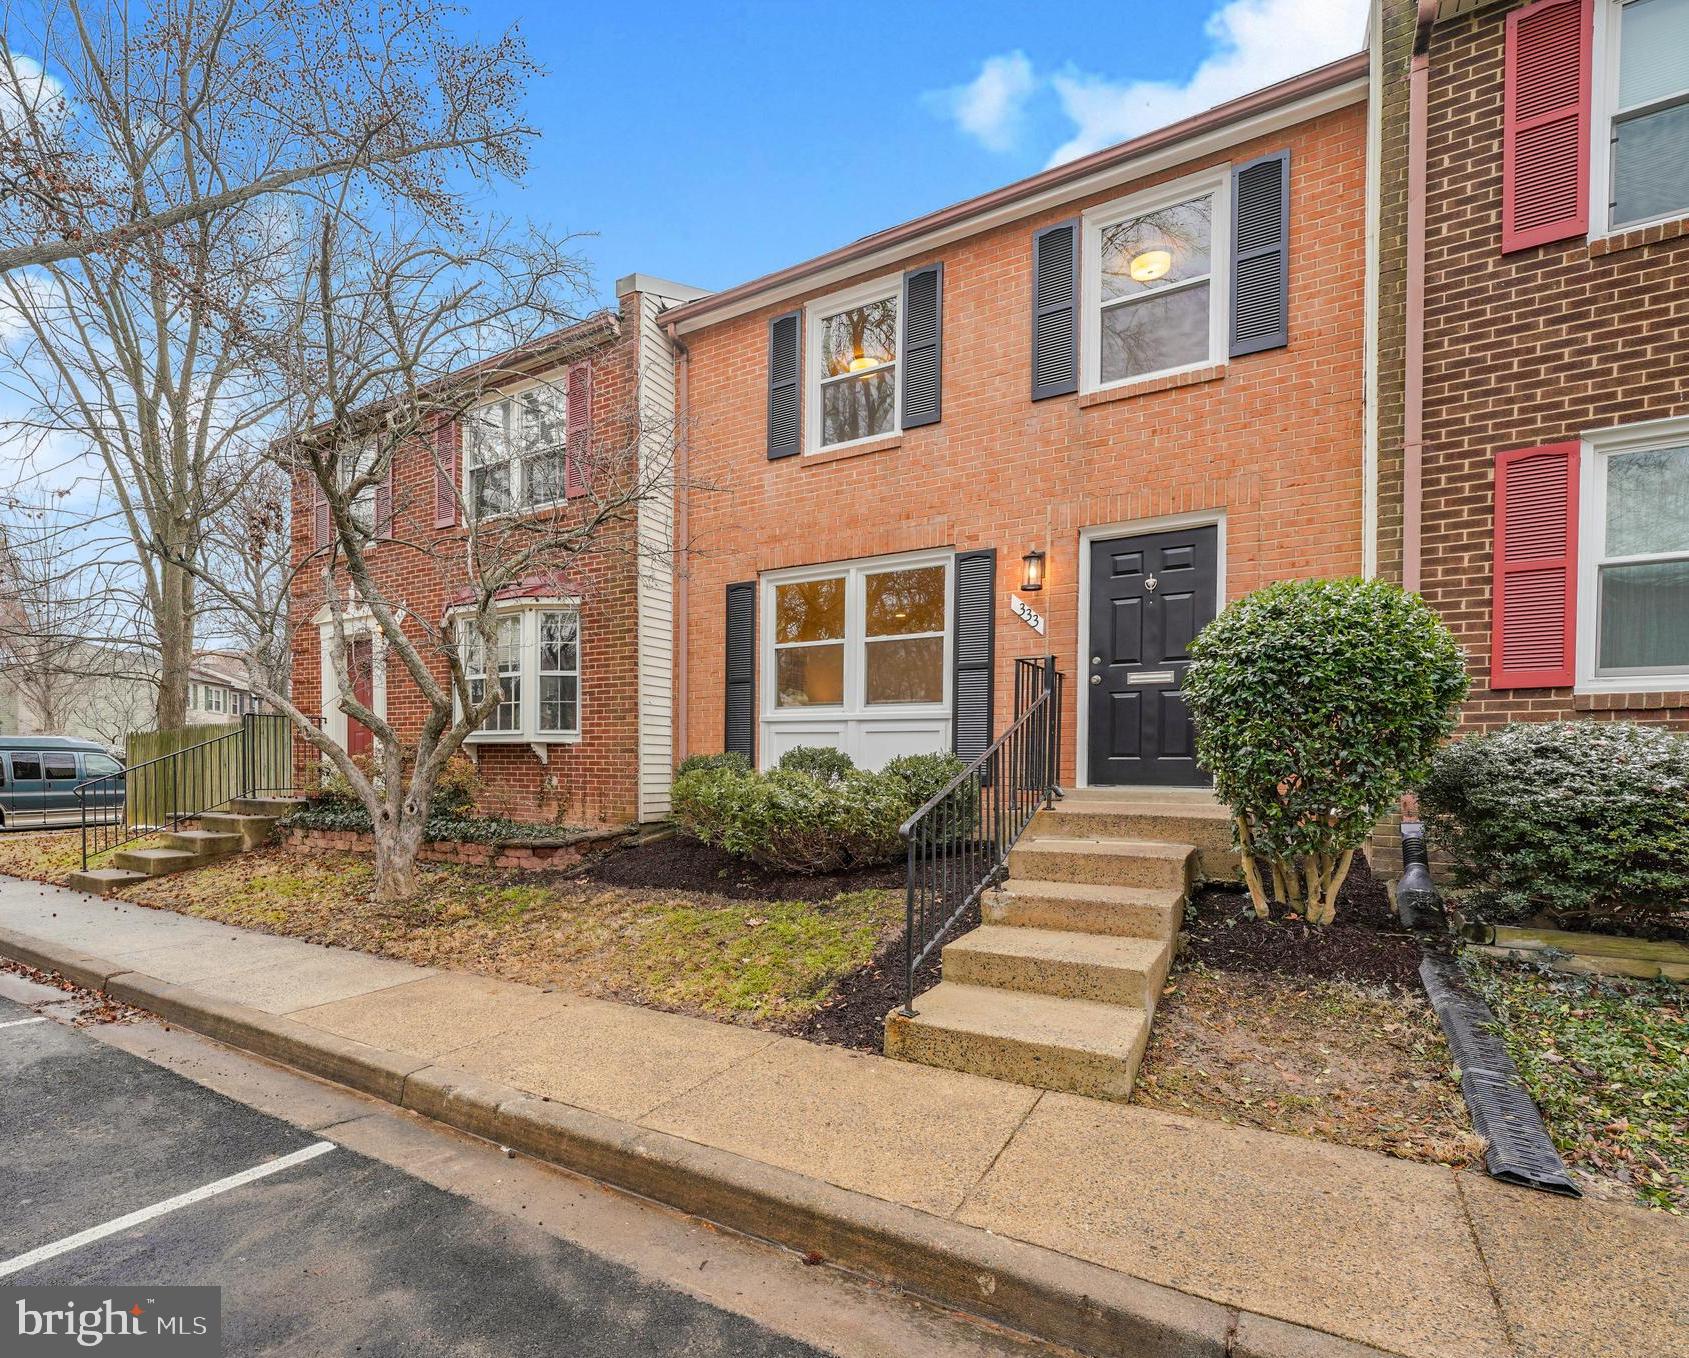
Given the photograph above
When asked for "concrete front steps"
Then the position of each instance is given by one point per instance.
(247, 824)
(1058, 987)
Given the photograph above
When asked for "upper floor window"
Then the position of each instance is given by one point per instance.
(1646, 76)
(1154, 297)
(537, 664)
(515, 451)
(853, 392)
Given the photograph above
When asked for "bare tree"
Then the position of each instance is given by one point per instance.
(392, 335)
(114, 128)
(135, 347)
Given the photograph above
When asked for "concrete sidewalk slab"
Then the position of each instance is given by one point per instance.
(1338, 1238)
(305, 979)
(434, 1015)
(911, 1134)
(609, 1058)
(1592, 1279)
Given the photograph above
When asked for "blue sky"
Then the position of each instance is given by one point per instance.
(710, 144)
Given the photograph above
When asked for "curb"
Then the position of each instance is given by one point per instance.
(1025, 1287)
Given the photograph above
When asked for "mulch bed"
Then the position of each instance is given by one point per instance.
(1366, 944)
(681, 863)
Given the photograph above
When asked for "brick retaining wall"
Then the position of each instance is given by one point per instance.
(527, 857)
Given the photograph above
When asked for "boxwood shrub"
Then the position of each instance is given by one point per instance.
(818, 761)
(790, 820)
(1584, 822)
(1317, 703)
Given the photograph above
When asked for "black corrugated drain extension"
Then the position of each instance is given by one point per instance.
(1517, 1148)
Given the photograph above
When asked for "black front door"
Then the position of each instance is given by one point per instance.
(1150, 595)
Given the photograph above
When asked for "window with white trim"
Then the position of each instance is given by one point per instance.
(1645, 133)
(536, 665)
(351, 466)
(853, 387)
(216, 699)
(1640, 562)
(515, 451)
(861, 637)
(1154, 279)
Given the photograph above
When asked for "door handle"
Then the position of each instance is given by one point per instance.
(1096, 678)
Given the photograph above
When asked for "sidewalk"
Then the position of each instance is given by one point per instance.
(936, 1180)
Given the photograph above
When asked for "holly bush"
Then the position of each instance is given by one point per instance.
(1317, 703)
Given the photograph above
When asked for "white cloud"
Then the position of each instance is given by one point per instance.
(1255, 43)
(991, 106)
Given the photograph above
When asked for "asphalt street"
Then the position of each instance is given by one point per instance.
(338, 1252)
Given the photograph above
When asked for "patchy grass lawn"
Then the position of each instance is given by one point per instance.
(1360, 1066)
(768, 963)
(1607, 1061)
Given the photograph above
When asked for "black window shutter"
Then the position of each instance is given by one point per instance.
(923, 345)
(740, 733)
(785, 373)
(1055, 311)
(976, 597)
(1261, 254)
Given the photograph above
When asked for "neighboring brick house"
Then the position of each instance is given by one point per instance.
(1533, 401)
(585, 735)
(1146, 365)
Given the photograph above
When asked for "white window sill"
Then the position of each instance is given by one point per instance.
(1649, 683)
(803, 714)
(519, 738)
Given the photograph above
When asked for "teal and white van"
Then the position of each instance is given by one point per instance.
(40, 775)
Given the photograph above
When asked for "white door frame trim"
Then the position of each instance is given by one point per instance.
(1201, 518)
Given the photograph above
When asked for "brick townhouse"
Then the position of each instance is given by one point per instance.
(1073, 415)
(1533, 394)
(585, 657)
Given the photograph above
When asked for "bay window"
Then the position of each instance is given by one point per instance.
(515, 452)
(853, 394)
(1154, 283)
(1645, 140)
(856, 656)
(536, 665)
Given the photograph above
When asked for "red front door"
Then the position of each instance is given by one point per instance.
(360, 661)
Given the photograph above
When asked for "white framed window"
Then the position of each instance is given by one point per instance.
(1640, 139)
(515, 451)
(216, 699)
(853, 394)
(856, 655)
(1155, 281)
(537, 661)
(351, 466)
(1633, 586)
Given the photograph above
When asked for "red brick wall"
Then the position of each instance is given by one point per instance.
(1524, 349)
(1275, 441)
(594, 781)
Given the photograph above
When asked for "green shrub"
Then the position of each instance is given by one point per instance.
(456, 789)
(923, 776)
(731, 759)
(1586, 822)
(818, 761)
(320, 814)
(1317, 703)
(792, 821)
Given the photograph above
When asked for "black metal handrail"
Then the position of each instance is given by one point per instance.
(957, 843)
(259, 757)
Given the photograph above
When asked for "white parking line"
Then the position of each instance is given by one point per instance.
(123, 1223)
(18, 1023)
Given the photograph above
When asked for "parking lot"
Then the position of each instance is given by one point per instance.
(342, 1227)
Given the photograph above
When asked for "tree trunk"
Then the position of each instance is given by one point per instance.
(398, 840)
(175, 624)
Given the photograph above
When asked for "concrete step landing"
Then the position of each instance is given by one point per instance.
(104, 881)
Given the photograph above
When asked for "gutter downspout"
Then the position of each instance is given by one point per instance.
(1413, 391)
(682, 539)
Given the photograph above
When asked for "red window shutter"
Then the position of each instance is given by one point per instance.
(1534, 625)
(384, 501)
(445, 474)
(319, 515)
(578, 459)
(1545, 124)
